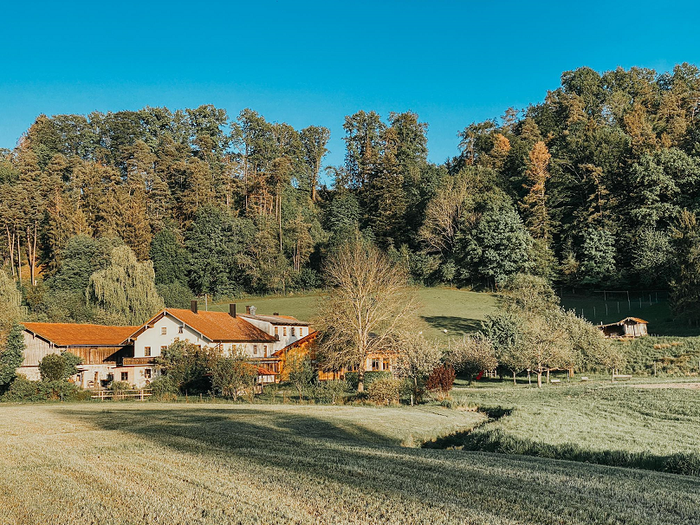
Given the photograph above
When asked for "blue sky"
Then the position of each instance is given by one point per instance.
(315, 62)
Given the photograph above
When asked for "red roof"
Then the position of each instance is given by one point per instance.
(69, 334)
(220, 326)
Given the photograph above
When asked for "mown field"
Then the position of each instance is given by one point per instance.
(124, 463)
(439, 309)
(644, 426)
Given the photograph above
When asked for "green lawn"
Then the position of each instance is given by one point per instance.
(129, 463)
(645, 426)
(440, 309)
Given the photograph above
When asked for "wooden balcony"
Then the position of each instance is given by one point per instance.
(136, 361)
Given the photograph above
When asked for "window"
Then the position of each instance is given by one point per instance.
(164, 330)
(301, 332)
(277, 330)
(255, 349)
(163, 349)
(147, 351)
(125, 376)
(375, 364)
(284, 331)
(265, 351)
(293, 331)
(180, 329)
(148, 373)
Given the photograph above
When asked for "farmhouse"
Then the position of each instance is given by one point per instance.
(127, 353)
(101, 348)
(627, 328)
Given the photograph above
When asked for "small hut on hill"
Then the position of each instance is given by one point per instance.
(629, 327)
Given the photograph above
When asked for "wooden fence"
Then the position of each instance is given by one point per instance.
(141, 395)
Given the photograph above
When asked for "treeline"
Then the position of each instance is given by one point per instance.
(597, 186)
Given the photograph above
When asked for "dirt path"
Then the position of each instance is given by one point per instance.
(690, 386)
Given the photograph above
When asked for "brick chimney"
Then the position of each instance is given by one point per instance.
(232, 310)
(193, 306)
(276, 313)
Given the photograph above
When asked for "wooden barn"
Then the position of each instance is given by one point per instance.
(628, 328)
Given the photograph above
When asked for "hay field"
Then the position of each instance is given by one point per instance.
(124, 463)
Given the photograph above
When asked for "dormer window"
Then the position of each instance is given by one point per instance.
(293, 331)
(164, 330)
(284, 331)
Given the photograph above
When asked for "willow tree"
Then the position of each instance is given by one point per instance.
(366, 310)
(125, 291)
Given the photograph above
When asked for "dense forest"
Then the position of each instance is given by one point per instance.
(598, 186)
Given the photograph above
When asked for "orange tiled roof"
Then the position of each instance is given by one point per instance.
(221, 327)
(297, 343)
(70, 334)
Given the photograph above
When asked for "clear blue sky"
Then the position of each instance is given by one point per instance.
(452, 62)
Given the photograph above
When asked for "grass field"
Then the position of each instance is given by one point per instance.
(440, 309)
(124, 463)
(626, 425)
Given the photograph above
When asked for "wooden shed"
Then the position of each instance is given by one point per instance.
(629, 327)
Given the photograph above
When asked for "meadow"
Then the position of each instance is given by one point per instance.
(650, 426)
(124, 463)
(443, 312)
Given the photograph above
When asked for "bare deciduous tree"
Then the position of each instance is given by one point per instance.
(366, 309)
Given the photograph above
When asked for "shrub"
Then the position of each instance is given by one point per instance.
(370, 377)
(59, 367)
(52, 367)
(22, 389)
(164, 388)
(331, 391)
(441, 380)
(232, 376)
(384, 391)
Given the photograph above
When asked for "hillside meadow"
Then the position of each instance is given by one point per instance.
(442, 312)
(124, 463)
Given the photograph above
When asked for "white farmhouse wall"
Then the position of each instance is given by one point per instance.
(283, 331)
(155, 339)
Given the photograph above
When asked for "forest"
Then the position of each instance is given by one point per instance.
(596, 187)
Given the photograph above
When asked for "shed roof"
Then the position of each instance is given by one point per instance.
(70, 334)
(626, 319)
(219, 327)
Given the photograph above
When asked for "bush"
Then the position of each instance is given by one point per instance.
(331, 391)
(441, 380)
(51, 367)
(22, 389)
(370, 377)
(164, 388)
(384, 391)
(58, 367)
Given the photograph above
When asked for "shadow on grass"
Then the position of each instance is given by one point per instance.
(483, 439)
(453, 324)
(463, 485)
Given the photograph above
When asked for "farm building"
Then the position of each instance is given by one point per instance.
(627, 328)
(127, 353)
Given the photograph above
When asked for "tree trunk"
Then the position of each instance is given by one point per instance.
(539, 378)
(515, 382)
(361, 378)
